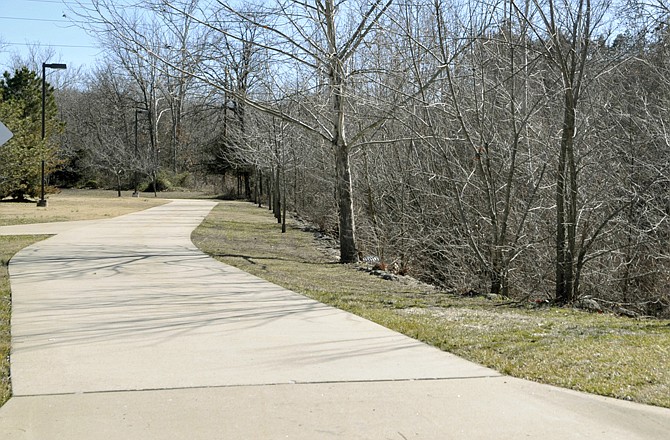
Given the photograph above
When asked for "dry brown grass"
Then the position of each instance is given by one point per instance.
(74, 205)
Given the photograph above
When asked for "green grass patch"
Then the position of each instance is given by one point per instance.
(9, 245)
(597, 353)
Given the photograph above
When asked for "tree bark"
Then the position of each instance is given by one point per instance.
(348, 251)
(277, 195)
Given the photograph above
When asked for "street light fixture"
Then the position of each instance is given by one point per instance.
(43, 202)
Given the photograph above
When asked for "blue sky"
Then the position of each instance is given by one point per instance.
(40, 23)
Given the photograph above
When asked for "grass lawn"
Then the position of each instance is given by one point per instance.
(597, 353)
(75, 205)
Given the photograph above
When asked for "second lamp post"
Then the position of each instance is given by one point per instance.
(43, 202)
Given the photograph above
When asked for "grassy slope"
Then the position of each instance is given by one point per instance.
(601, 354)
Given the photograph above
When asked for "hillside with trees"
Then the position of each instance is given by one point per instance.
(511, 148)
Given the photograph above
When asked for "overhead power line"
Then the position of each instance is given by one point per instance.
(53, 1)
(35, 19)
(51, 45)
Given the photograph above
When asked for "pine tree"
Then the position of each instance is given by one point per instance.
(20, 111)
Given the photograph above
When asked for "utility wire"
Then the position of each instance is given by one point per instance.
(53, 1)
(35, 19)
(50, 45)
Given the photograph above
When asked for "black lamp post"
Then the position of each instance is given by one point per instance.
(43, 202)
(136, 177)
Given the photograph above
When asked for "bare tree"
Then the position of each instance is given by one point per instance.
(323, 37)
(100, 128)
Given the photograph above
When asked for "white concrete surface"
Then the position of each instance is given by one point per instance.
(44, 228)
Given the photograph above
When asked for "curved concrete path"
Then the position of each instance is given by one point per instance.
(122, 329)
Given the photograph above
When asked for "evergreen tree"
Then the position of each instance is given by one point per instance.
(21, 112)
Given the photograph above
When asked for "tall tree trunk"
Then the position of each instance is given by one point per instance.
(259, 188)
(348, 251)
(270, 189)
(566, 215)
(247, 185)
(154, 182)
(283, 206)
(277, 195)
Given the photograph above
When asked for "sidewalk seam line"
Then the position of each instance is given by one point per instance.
(205, 387)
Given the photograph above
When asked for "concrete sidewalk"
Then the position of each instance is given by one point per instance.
(44, 228)
(122, 329)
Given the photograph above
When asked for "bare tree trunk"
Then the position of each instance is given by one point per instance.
(283, 207)
(276, 209)
(247, 185)
(571, 65)
(348, 251)
(259, 188)
(270, 190)
(563, 251)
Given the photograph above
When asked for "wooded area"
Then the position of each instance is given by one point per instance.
(510, 147)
